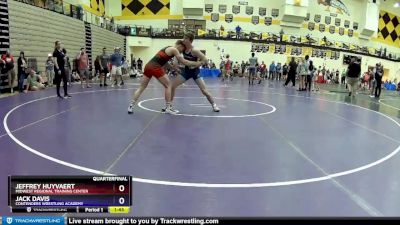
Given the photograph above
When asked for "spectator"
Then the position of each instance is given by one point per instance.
(302, 70)
(140, 64)
(292, 73)
(278, 71)
(116, 70)
(310, 73)
(285, 70)
(378, 78)
(353, 73)
(104, 65)
(22, 68)
(67, 67)
(372, 82)
(243, 67)
(227, 65)
(59, 69)
(252, 69)
(8, 61)
(83, 67)
(272, 70)
(236, 69)
(50, 70)
(34, 82)
(97, 69)
(133, 63)
(343, 79)
(263, 69)
(238, 31)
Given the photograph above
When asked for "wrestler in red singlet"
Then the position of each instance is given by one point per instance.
(155, 68)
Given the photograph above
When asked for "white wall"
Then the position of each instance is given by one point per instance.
(243, 53)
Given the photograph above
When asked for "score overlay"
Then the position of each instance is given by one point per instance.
(88, 194)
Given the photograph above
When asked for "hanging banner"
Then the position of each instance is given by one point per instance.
(327, 20)
(236, 9)
(262, 11)
(268, 21)
(249, 10)
(341, 30)
(332, 29)
(255, 20)
(264, 36)
(322, 27)
(283, 49)
(338, 22)
(208, 8)
(355, 26)
(214, 17)
(307, 17)
(272, 48)
(229, 18)
(277, 49)
(222, 9)
(265, 48)
(275, 13)
(311, 26)
(317, 18)
(346, 23)
(350, 33)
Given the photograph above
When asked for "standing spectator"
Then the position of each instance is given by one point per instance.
(238, 31)
(353, 74)
(310, 73)
(236, 69)
(97, 68)
(272, 70)
(59, 69)
(378, 78)
(285, 70)
(252, 69)
(243, 67)
(22, 68)
(104, 64)
(227, 65)
(67, 67)
(133, 64)
(263, 69)
(139, 65)
(50, 70)
(8, 61)
(292, 73)
(34, 82)
(372, 82)
(343, 79)
(83, 67)
(302, 70)
(116, 69)
(279, 71)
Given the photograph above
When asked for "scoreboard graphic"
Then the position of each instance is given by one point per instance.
(74, 194)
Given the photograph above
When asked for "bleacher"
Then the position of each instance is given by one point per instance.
(34, 31)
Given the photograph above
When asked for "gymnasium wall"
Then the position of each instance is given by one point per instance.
(103, 38)
(346, 21)
(213, 51)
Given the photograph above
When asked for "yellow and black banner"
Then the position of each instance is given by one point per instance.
(144, 7)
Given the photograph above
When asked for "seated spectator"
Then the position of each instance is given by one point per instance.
(34, 82)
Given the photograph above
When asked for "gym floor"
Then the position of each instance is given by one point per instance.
(271, 151)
